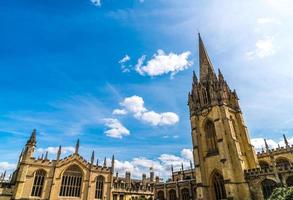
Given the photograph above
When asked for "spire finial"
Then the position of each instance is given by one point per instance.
(46, 155)
(32, 140)
(221, 77)
(182, 168)
(286, 141)
(194, 77)
(93, 158)
(206, 67)
(59, 153)
(191, 164)
(113, 163)
(266, 145)
(105, 162)
(77, 146)
(97, 162)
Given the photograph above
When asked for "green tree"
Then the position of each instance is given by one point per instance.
(282, 193)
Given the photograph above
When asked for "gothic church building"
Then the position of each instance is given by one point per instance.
(226, 165)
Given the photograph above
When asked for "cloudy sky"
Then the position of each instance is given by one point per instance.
(116, 74)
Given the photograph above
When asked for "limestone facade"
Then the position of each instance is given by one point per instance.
(226, 165)
(69, 178)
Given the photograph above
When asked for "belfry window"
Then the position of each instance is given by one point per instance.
(38, 183)
(71, 182)
(267, 187)
(99, 187)
(211, 138)
(218, 187)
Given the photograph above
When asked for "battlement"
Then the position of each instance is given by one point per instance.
(256, 172)
(276, 151)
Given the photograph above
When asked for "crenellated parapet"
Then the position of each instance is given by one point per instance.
(275, 151)
(270, 170)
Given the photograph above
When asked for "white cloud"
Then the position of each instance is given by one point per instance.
(264, 48)
(162, 63)
(116, 129)
(187, 153)
(4, 166)
(161, 165)
(123, 61)
(96, 2)
(119, 112)
(160, 119)
(135, 105)
(267, 20)
(259, 143)
(54, 150)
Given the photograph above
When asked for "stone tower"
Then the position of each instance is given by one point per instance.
(221, 144)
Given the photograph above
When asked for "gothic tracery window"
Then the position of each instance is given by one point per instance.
(211, 138)
(71, 182)
(38, 183)
(282, 162)
(263, 164)
(267, 187)
(218, 187)
(99, 187)
(185, 194)
(172, 195)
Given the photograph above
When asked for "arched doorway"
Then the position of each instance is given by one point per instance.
(160, 195)
(289, 181)
(172, 195)
(185, 194)
(218, 187)
(268, 187)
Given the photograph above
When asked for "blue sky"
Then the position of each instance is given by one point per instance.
(60, 74)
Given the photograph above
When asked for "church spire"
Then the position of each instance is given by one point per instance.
(206, 67)
(32, 140)
(286, 141)
(77, 146)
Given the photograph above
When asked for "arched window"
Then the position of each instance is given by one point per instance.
(218, 185)
(267, 187)
(38, 183)
(282, 162)
(99, 187)
(211, 137)
(263, 164)
(172, 195)
(160, 195)
(71, 182)
(185, 194)
(289, 181)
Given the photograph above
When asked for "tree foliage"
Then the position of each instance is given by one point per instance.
(283, 193)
